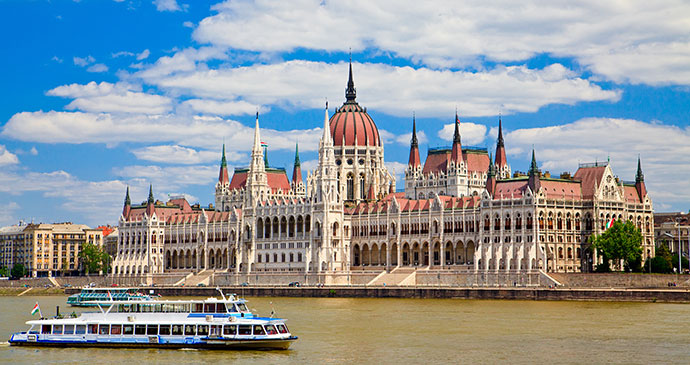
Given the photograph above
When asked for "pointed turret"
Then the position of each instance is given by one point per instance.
(491, 178)
(456, 153)
(534, 182)
(223, 177)
(501, 161)
(257, 182)
(266, 156)
(414, 160)
(128, 205)
(297, 169)
(639, 181)
(150, 203)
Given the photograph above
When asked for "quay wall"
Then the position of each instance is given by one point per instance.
(508, 293)
(620, 280)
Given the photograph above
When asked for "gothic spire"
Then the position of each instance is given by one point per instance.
(534, 181)
(533, 168)
(500, 133)
(414, 159)
(639, 177)
(150, 194)
(456, 153)
(351, 92)
(492, 168)
(456, 134)
(297, 162)
(127, 201)
(223, 174)
(415, 143)
(223, 161)
(297, 169)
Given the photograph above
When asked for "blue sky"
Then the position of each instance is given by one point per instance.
(101, 95)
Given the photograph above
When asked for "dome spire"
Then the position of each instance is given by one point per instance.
(351, 92)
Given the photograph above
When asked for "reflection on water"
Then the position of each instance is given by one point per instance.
(340, 330)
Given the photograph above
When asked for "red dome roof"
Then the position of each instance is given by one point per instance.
(352, 120)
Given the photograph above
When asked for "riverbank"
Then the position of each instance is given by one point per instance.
(507, 293)
(15, 291)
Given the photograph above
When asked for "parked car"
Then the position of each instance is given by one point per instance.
(244, 284)
(294, 283)
(201, 284)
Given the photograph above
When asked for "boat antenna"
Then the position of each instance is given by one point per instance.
(221, 292)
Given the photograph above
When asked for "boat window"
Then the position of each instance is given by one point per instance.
(158, 308)
(202, 330)
(198, 308)
(168, 308)
(57, 329)
(80, 330)
(103, 329)
(282, 328)
(93, 329)
(271, 330)
(259, 330)
(152, 329)
(177, 329)
(242, 307)
(45, 329)
(216, 330)
(232, 308)
(116, 329)
(135, 308)
(69, 329)
(164, 330)
(190, 330)
(139, 329)
(146, 308)
(127, 329)
(220, 308)
(209, 308)
(244, 330)
(229, 329)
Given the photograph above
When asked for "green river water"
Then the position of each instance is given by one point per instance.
(412, 331)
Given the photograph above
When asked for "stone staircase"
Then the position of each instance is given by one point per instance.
(397, 277)
(202, 277)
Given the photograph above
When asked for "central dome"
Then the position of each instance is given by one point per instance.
(351, 122)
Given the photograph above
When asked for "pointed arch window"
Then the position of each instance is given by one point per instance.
(350, 187)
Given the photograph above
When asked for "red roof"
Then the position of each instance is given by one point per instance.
(630, 194)
(277, 180)
(589, 176)
(437, 161)
(561, 189)
(508, 188)
(351, 120)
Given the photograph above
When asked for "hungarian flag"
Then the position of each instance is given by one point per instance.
(264, 144)
(609, 224)
(36, 309)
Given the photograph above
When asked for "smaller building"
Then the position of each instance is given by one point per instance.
(673, 230)
(47, 249)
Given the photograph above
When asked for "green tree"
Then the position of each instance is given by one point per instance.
(93, 259)
(4, 271)
(661, 262)
(18, 271)
(623, 241)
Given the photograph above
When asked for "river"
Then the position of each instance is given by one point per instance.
(413, 331)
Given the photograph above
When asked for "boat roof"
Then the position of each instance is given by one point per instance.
(229, 299)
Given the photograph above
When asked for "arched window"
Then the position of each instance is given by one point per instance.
(350, 187)
(362, 193)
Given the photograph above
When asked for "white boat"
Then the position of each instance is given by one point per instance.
(212, 323)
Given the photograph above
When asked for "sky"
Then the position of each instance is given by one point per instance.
(99, 95)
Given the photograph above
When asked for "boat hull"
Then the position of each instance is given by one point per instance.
(211, 344)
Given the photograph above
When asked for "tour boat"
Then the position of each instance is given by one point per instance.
(212, 323)
(88, 297)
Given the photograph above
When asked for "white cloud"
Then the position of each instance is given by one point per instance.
(308, 165)
(188, 24)
(303, 84)
(167, 5)
(123, 54)
(56, 59)
(99, 67)
(223, 108)
(398, 170)
(7, 157)
(182, 155)
(80, 127)
(33, 151)
(7, 213)
(170, 178)
(83, 62)
(114, 98)
(664, 150)
(638, 40)
(143, 55)
(470, 133)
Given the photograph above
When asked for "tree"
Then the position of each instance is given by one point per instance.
(93, 259)
(623, 241)
(18, 271)
(4, 271)
(661, 263)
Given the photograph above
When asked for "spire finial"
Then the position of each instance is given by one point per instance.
(533, 168)
(456, 134)
(297, 161)
(500, 142)
(639, 177)
(351, 92)
(415, 143)
(223, 161)
(150, 200)
(127, 200)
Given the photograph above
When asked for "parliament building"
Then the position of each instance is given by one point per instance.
(461, 209)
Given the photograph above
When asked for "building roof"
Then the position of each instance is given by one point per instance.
(438, 159)
(277, 179)
(590, 176)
